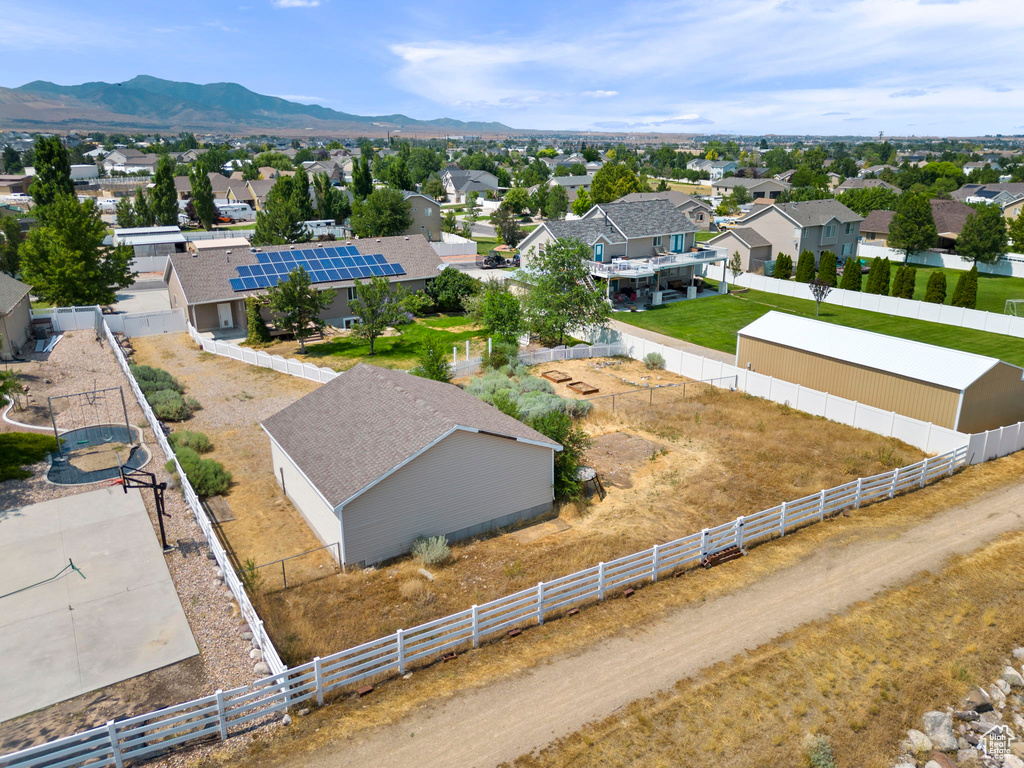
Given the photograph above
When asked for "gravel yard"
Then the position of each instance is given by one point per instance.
(79, 363)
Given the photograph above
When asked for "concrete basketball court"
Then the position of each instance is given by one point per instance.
(74, 635)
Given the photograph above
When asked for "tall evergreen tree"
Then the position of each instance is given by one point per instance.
(12, 161)
(983, 237)
(557, 203)
(805, 267)
(124, 213)
(913, 226)
(935, 293)
(280, 221)
(162, 198)
(202, 197)
(852, 276)
(331, 202)
(300, 194)
(362, 178)
(966, 292)
(53, 173)
(827, 269)
(144, 216)
(10, 245)
(909, 282)
(884, 276)
(783, 266)
(874, 276)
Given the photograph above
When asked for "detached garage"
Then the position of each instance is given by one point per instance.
(376, 458)
(957, 390)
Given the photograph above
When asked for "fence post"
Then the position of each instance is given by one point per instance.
(115, 748)
(703, 543)
(821, 505)
(540, 602)
(655, 562)
(739, 531)
(600, 580)
(400, 642)
(924, 472)
(782, 520)
(475, 612)
(860, 488)
(318, 676)
(895, 479)
(284, 575)
(222, 722)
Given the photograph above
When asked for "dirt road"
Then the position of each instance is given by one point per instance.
(498, 723)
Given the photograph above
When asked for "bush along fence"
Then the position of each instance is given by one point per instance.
(221, 714)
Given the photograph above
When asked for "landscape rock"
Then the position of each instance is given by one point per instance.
(1003, 686)
(219, 573)
(974, 697)
(1018, 653)
(905, 765)
(942, 760)
(1012, 761)
(262, 669)
(1017, 748)
(247, 635)
(997, 695)
(932, 764)
(304, 711)
(967, 758)
(1019, 722)
(425, 574)
(919, 742)
(939, 728)
(967, 715)
(256, 654)
(971, 739)
(1013, 678)
(286, 720)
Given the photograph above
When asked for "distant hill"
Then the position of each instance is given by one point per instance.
(150, 103)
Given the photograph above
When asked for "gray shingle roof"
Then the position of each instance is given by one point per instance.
(587, 230)
(747, 235)
(647, 218)
(675, 197)
(573, 181)
(366, 422)
(865, 184)
(11, 292)
(814, 213)
(204, 276)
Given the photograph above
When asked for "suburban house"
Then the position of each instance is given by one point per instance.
(15, 183)
(698, 211)
(946, 387)
(212, 284)
(768, 189)
(239, 192)
(377, 458)
(874, 170)
(949, 215)
(426, 216)
(852, 184)
(133, 162)
(1014, 208)
(812, 225)
(459, 183)
(637, 249)
(259, 189)
(331, 168)
(15, 316)
(716, 169)
(988, 193)
(571, 184)
(754, 250)
(191, 155)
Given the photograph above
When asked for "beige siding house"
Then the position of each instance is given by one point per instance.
(812, 225)
(426, 217)
(15, 316)
(377, 458)
(753, 249)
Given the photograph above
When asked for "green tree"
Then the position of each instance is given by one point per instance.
(935, 293)
(741, 195)
(301, 199)
(257, 334)
(827, 269)
(874, 276)
(983, 237)
(124, 213)
(516, 200)
(507, 227)
(432, 362)
(280, 222)
(362, 178)
(557, 203)
(613, 181)
(575, 442)
(736, 265)
(909, 283)
(562, 298)
(433, 187)
(1015, 233)
(582, 203)
(500, 311)
(384, 213)
(449, 223)
(144, 216)
(913, 226)
(163, 199)
(377, 306)
(297, 305)
(66, 262)
(450, 289)
(331, 202)
(805, 270)
(53, 173)
(10, 246)
(12, 161)
(864, 201)
(783, 266)
(202, 198)
(852, 277)
(966, 292)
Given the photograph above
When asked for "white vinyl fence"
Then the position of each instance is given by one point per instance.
(288, 365)
(70, 318)
(455, 249)
(216, 715)
(1007, 325)
(155, 263)
(1008, 265)
(132, 324)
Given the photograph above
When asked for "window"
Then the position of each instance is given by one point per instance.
(657, 242)
(351, 294)
(830, 231)
(678, 242)
(849, 227)
(847, 249)
(598, 251)
(427, 211)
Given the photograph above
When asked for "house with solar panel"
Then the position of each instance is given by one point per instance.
(211, 285)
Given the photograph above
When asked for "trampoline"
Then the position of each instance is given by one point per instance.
(96, 444)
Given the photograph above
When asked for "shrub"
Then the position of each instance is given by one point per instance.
(535, 384)
(257, 333)
(433, 363)
(169, 405)
(784, 267)
(818, 752)
(432, 551)
(827, 269)
(185, 438)
(852, 277)
(654, 361)
(574, 441)
(966, 292)
(935, 293)
(502, 353)
(208, 477)
(152, 379)
(506, 402)
(21, 449)
(805, 269)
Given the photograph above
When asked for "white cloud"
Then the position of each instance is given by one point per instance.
(295, 3)
(599, 94)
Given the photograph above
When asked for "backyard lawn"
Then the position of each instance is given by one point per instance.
(714, 321)
(993, 290)
(703, 237)
(485, 245)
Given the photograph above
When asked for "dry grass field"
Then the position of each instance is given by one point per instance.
(671, 469)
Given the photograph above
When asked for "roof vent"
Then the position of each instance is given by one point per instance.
(406, 237)
(378, 239)
(291, 247)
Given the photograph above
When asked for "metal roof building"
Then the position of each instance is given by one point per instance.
(947, 387)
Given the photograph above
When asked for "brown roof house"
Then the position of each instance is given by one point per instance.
(949, 215)
(205, 282)
(15, 316)
(377, 458)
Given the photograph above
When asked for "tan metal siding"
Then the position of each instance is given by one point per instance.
(994, 400)
(321, 519)
(466, 480)
(911, 398)
(15, 327)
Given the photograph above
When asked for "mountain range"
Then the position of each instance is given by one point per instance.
(152, 104)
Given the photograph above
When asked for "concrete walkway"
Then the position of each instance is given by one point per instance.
(668, 341)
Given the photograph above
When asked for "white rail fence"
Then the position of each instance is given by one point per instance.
(1008, 265)
(288, 365)
(218, 715)
(976, 319)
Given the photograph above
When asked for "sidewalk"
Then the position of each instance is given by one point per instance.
(668, 341)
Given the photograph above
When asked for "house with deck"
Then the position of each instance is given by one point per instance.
(644, 251)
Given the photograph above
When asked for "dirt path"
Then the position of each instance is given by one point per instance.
(669, 341)
(503, 721)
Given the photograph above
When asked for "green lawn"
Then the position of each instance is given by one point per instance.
(484, 245)
(703, 237)
(993, 290)
(400, 351)
(713, 322)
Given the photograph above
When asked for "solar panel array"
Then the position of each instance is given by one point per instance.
(324, 265)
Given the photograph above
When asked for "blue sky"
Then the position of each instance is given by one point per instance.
(948, 67)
